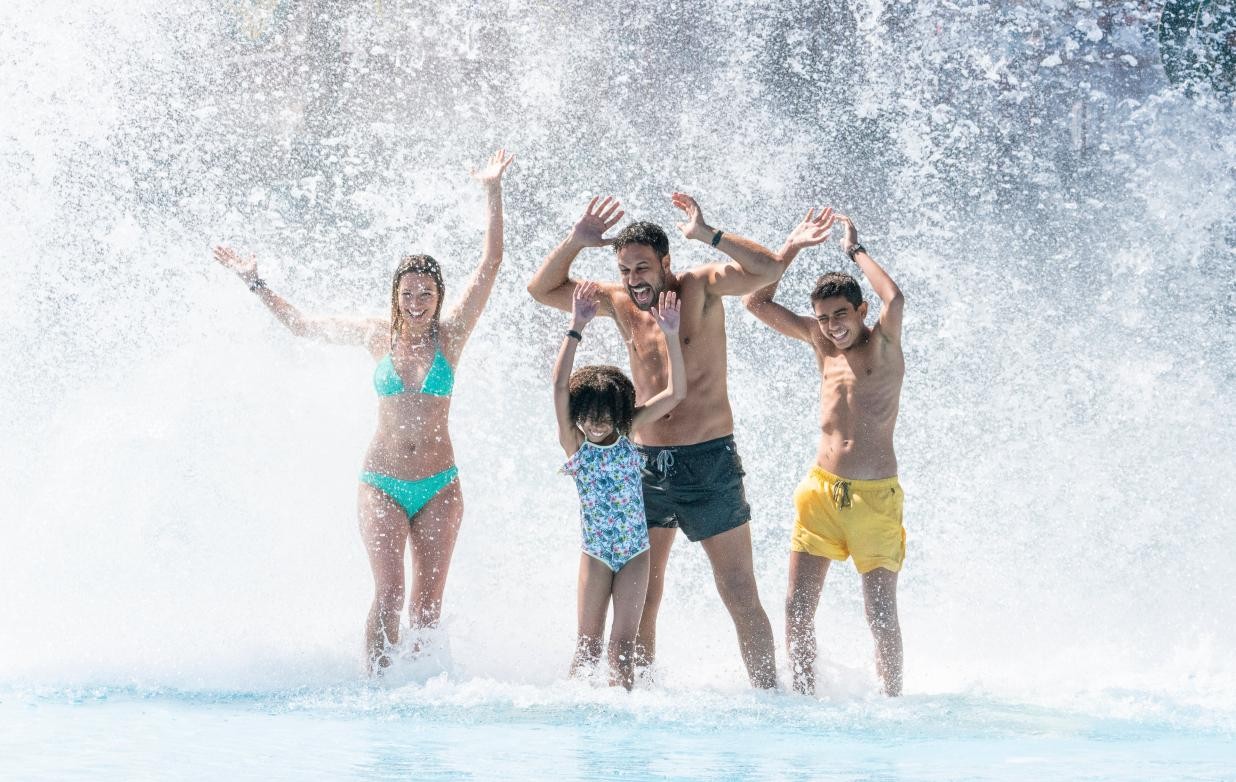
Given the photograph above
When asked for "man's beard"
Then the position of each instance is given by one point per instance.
(652, 292)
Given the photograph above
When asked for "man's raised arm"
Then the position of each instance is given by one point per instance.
(552, 283)
(754, 265)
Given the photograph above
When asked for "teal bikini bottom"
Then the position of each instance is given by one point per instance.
(411, 495)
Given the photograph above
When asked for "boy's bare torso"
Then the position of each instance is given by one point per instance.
(860, 392)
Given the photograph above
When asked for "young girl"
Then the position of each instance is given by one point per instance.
(596, 411)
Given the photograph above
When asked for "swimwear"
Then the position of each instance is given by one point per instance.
(697, 488)
(611, 503)
(838, 518)
(412, 496)
(439, 380)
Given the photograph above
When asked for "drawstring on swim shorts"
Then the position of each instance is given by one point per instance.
(841, 494)
(664, 460)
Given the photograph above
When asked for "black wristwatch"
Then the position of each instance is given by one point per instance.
(855, 249)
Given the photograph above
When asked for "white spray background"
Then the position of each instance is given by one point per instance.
(178, 499)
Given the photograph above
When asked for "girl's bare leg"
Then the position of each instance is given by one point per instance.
(630, 588)
(384, 530)
(595, 582)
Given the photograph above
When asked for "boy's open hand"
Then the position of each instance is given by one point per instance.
(849, 234)
(813, 230)
(668, 312)
(583, 305)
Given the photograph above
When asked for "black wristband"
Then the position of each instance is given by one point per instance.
(855, 249)
(716, 238)
(258, 282)
(573, 333)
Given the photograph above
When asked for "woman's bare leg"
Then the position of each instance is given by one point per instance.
(630, 588)
(434, 531)
(384, 530)
(595, 583)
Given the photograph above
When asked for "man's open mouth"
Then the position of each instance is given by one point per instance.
(641, 295)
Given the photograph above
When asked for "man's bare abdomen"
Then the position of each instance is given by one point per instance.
(697, 419)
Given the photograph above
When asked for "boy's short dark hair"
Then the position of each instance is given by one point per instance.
(602, 392)
(645, 233)
(837, 284)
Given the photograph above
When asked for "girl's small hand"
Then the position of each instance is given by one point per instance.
(583, 304)
(668, 312)
(246, 268)
(490, 174)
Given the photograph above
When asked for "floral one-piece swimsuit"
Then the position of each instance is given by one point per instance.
(611, 501)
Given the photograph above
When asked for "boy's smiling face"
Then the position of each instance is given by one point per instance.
(840, 321)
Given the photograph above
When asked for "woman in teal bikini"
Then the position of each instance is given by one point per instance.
(409, 490)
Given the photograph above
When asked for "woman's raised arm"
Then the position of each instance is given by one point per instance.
(459, 322)
(339, 331)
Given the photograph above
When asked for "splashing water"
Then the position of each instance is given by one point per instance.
(180, 472)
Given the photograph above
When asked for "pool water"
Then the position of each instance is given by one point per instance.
(490, 730)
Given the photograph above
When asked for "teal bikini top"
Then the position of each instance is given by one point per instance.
(439, 380)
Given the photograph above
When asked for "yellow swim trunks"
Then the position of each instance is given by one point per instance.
(839, 518)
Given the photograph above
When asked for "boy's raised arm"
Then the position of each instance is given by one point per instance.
(552, 283)
(761, 305)
(811, 231)
(881, 282)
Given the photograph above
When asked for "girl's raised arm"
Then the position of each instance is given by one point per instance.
(340, 331)
(583, 310)
(668, 314)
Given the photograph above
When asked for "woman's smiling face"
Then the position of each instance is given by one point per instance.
(418, 301)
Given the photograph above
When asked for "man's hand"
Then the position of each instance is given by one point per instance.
(668, 313)
(583, 305)
(813, 230)
(597, 219)
(849, 234)
(694, 227)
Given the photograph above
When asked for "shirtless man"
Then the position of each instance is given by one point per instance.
(859, 514)
(693, 478)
